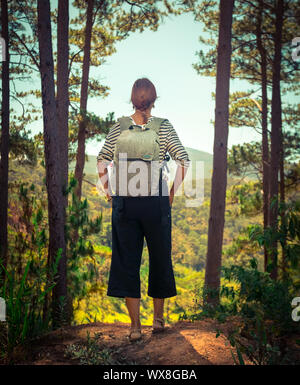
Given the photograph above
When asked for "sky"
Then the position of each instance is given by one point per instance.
(185, 98)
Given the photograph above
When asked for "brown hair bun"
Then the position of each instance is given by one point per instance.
(143, 94)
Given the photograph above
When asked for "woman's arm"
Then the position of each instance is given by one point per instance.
(103, 175)
(105, 156)
(178, 153)
(179, 177)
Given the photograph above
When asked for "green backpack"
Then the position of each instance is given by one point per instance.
(136, 158)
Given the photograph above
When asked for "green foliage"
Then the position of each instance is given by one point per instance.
(258, 293)
(22, 148)
(96, 127)
(210, 309)
(29, 277)
(288, 234)
(245, 159)
(261, 308)
(264, 309)
(82, 266)
(23, 287)
(24, 299)
(244, 63)
(249, 198)
(262, 305)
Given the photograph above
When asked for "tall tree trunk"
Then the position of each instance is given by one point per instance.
(62, 105)
(80, 156)
(219, 177)
(275, 134)
(264, 114)
(4, 139)
(62, 102)
(62, 99)
(53, 166)
(282, 200)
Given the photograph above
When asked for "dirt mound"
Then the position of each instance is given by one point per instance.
(184, 343)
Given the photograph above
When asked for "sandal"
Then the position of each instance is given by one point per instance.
(135, 334)
(158, 325)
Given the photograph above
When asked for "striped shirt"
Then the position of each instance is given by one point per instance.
(168, 138)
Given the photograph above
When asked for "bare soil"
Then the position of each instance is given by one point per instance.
(183, 343)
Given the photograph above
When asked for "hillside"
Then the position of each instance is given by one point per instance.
(194, 155)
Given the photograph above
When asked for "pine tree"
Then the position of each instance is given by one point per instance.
(4, 138)
(57, 244)
(219, 177)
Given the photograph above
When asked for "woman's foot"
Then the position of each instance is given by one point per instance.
(158, 325)
(133, 306)
(135, 334)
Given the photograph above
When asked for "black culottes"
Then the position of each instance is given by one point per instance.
(133, 219)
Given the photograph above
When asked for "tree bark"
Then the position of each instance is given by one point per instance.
(219, 177)
(62, 103)
(264, 114)
(276, 122)
(80, 156)
(282, 200)
(53, 166)
(4, 141)
(62, 99)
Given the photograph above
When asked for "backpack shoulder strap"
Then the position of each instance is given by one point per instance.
(155, 124)
(125, 123)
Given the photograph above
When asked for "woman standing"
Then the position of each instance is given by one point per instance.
(146, 138)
